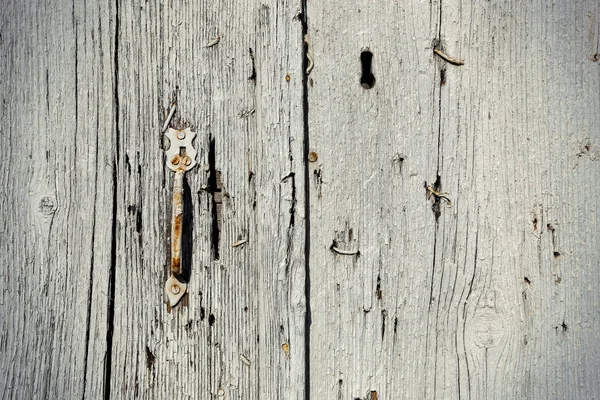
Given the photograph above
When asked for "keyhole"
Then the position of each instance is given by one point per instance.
(367, 80)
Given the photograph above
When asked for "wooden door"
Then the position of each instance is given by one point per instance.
(392, 200)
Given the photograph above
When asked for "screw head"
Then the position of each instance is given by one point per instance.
(175, 160)
(175, 289)
(312, 156)
(181, 135)
(187, 160)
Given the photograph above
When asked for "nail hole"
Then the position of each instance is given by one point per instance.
(252, 76)
(367, 80)
(150, 358)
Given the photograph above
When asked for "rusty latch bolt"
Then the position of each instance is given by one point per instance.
(181, 157)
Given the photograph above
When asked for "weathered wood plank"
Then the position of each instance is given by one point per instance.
(492, 294)
(498, 297)
(56, 136)
(519, 139)
(375, 149)
(240, 332)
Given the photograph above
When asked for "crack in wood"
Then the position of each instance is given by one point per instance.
(215, 187)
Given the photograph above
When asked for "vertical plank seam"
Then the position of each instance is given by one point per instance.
(306, 147)
(465, 310)
(435, 233)
(91, 283)
(113, 255)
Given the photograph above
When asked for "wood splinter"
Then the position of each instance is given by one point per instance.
(439, 195)
(240, 242)
(345, 252)
(449, 59)
(245, 359)
(213, 42)
(309, 55)
(168, 120)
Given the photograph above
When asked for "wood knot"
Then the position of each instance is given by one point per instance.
(47, 205)
(487, 329)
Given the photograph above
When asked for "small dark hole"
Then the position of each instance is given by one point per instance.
(214, 184)
(252, 76)
(151, 358)
(211, 320)
(367, 80)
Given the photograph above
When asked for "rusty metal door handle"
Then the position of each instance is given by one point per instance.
(181, 157)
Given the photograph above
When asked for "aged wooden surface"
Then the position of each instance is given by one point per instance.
(376, 148)
(488, 291)
(498, 297)
(240, 332)
(57, 139)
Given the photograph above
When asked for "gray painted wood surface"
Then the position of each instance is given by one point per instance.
(496, 298)
(244, 305)
(356, 281)
(57, 139)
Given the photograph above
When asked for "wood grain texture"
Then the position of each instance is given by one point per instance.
(488, 291)
(57, 140)
(523, 109)
(498, 298)
(376, 148)
(240, 332)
